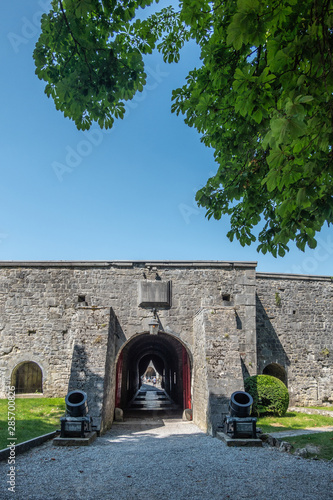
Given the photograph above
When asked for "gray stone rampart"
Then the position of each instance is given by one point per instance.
(74, 318)
(295, 330)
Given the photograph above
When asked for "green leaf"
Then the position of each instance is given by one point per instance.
(235, 31)
(257, 115)
(281, 251)
(247, 5)
(301, 196)
(306, 98)
(275, 158)
(312, 243)
(279, 127)
(298, 147)
(297, 128)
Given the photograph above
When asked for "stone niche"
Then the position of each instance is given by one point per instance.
(154, 293)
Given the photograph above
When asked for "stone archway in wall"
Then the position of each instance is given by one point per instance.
(277, 371)
(27, 377)
(170, 359)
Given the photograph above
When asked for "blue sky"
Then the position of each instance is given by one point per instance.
(119, 195)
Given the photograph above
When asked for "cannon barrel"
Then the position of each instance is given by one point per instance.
(76, 403)
(240, 404)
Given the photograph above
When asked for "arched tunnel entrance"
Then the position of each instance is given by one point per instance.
(168, 357)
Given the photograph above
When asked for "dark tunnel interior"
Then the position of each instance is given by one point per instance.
(168, 356)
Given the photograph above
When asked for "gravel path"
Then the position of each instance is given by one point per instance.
(299, 432)
(166, 460)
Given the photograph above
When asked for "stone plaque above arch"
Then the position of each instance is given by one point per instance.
(154, 293)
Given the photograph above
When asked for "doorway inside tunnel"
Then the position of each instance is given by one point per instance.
(153, 373)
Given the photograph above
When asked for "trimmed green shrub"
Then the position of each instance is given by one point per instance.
(270, 395)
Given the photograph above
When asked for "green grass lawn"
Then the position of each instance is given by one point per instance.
(324, 440)
(295, 421)
(327, 408)
(33, 417)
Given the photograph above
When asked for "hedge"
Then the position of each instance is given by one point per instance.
(270, 395)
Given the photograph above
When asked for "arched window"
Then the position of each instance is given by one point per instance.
(276, 371)
(27, 378)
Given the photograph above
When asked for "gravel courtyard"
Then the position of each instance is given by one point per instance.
(164, 460)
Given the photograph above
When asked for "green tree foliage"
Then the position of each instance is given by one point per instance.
(262, 98)
(270, 395)
(90, 53)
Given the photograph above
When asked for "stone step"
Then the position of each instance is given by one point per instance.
(150, 401)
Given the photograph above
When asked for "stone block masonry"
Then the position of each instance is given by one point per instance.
(295, 331)
(85, 325)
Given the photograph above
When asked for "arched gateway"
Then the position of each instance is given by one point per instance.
(171, 360)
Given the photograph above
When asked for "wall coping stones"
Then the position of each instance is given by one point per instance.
(304, 277)
(163, 264)
(125, 263)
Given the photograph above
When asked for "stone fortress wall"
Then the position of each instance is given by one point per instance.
(75, 319)
(295, 330)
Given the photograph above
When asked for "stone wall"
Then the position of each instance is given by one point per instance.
(294, 330)
(74, 318)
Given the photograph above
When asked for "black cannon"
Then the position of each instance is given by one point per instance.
(239, 424)
(76, 422)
